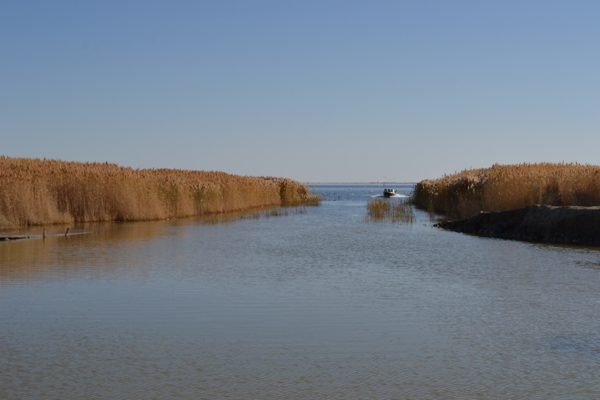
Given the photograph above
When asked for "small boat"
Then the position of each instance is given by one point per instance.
(389, 192)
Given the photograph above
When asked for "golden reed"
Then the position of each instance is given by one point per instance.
(389, 210)
(506, 187)
(39, 192)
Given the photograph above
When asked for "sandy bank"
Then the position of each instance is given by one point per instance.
(538, 223)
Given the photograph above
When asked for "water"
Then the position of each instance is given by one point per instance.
(316, 304)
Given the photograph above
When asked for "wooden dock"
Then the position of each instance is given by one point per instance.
(40, 234)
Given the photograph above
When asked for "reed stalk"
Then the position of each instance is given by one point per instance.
(42, 192)
(506, 187)
(390, 210)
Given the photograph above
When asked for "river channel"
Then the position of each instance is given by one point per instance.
(314, 303)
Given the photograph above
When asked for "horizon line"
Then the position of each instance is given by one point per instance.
(358, 183)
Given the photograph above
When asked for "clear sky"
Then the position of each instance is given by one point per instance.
(317, 91)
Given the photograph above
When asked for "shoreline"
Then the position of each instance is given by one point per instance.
(5, 236)
(573, 225)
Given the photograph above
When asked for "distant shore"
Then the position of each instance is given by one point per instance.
(537, 223)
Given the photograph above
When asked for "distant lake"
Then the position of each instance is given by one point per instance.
(314, 303)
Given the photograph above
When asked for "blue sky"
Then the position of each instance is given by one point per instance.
(317, 91)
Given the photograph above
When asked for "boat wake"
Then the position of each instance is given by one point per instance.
(394, 196)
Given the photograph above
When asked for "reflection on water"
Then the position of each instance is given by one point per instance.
(33, 255)
(316, 303)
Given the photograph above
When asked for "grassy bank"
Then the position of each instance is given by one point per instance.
(40, 192)
(506, 187)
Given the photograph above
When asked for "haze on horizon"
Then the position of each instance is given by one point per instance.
(318, 91)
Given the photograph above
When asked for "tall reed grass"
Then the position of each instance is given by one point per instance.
(506, 187)
(39, 192)
(390, 210)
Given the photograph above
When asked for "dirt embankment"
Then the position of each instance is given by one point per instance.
(537, 223)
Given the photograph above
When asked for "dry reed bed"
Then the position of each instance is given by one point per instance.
(506, 187)
(39, 192)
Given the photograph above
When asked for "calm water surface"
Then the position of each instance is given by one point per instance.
(316, 304)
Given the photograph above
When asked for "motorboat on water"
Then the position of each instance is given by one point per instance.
(389, 192)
